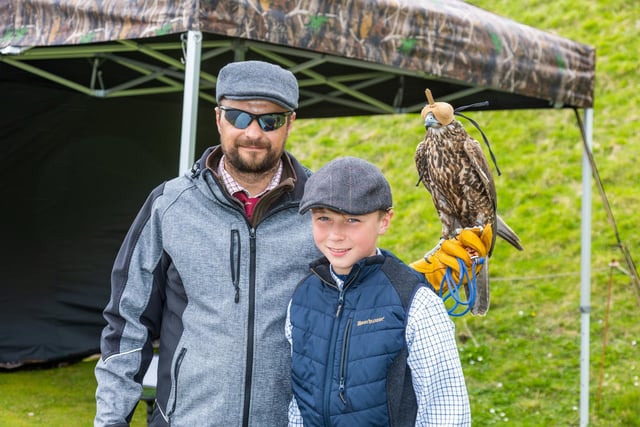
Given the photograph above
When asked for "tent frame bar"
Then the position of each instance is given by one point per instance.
(170, 77)
(585, 268)
(190, 102)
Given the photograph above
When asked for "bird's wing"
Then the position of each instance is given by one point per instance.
(480, 164)
(422, 165)
(421, 160)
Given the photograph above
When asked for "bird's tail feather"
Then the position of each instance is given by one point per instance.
(481, 304)
(504, 231)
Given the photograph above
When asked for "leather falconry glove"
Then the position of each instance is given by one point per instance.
(453, 254)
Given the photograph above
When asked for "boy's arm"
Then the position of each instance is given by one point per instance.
(295, 419)
(436, 371)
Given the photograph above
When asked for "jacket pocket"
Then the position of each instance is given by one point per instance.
(234, 260)
(173, 396)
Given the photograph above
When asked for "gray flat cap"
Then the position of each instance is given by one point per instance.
(349, 185)
(258, 80)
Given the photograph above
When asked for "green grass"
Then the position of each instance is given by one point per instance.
(63, 396)
(521, 361)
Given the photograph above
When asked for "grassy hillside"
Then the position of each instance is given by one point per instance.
(522, 360)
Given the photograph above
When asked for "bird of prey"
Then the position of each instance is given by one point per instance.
(455, 171)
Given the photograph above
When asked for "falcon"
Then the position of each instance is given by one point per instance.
(453, 168)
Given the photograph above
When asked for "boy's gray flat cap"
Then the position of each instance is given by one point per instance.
(258, 80)
(349, 185)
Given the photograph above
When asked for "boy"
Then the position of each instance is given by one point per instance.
(347, 323)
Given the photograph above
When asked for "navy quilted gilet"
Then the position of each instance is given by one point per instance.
(344, 344)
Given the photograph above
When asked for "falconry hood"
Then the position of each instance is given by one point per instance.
(442, 111)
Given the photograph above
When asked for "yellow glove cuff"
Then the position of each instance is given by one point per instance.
(434, 272)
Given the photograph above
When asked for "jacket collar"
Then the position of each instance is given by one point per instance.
(360, 270)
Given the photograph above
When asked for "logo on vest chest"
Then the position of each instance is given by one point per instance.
(369, 321)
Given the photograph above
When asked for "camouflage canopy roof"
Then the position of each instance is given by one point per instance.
(351, 57)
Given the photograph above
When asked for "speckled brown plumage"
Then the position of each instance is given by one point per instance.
(455, 171)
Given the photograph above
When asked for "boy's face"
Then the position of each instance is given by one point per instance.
(346, 239)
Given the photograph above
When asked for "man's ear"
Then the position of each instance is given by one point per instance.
(218, 114)
(290, 121)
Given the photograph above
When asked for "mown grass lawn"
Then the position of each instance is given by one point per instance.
(62, 396)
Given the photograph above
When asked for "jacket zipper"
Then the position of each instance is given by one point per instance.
(250, 326)
(332, 349)
(340, 303)
(343, 361)
(234, 259)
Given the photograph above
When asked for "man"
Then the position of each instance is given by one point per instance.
(208, 267)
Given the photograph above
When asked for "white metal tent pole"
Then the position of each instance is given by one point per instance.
(585, 270)
(190, 100)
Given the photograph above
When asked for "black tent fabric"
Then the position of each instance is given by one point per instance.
(91, 116)
(72, 183)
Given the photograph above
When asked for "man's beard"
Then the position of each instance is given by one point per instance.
(250, 164)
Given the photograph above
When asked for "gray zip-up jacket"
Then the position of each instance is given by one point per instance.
(194, 273)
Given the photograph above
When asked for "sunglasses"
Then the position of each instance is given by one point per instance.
(241, 119)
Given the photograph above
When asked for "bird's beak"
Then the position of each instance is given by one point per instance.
(430, 121)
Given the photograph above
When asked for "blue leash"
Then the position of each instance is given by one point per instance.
(460, 305)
